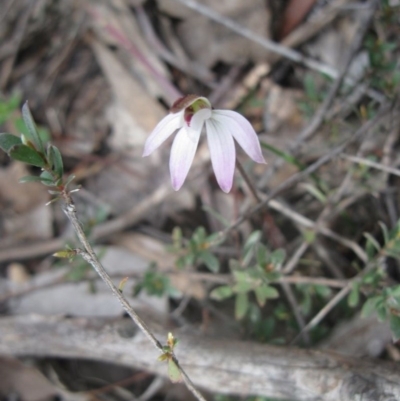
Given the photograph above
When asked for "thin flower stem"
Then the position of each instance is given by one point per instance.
(90, 257)
(248, 181)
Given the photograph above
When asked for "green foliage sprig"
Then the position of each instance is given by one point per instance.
(381, 298)
(254, 273)
(197, 250)
(31, 149)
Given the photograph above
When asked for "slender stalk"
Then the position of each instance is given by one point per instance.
(90, 257)
(248, 181)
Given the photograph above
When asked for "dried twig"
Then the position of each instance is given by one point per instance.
(370, 163)
(229, 367)
(192, 69)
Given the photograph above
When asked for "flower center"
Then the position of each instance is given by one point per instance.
(190, 104)
(191, 110)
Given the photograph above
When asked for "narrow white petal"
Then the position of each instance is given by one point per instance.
(198, 119)
(182, 154)
(164, 129)
(223, 155)
(242, 131)
(196, 124)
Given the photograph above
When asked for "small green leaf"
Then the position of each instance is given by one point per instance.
(173, 371)
(27, 155)
(262, 255)
(395, 291)
(216, 239)
(199, 236)
(372, 245)
(164, 357)
(241, 305)
(354, 296)
(7, 141)
(385, 232)
(56, 160)
(278, 257)
(395, 326)
(65, 254)
(310, 87)
(323, 290)
(30, 178)
(253, 239)
(381, 311)
(242, 287)
(314, 191)
(265, 292)
(30, 124)
(210, 261)
(221, 293)
(369, 306)
(244, 283)
(47, 179)
(248, 247)
(309, 236)
(240, 275)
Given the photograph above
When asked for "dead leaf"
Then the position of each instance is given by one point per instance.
(294, 14)
(17, 273)
(116, 25)
(23, 383)
(143, 110)
(209, 42)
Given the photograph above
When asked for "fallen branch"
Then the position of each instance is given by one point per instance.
(221, 366)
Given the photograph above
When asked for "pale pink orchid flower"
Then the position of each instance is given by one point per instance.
(188, 115)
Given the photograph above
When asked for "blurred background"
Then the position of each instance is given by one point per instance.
(318, 80)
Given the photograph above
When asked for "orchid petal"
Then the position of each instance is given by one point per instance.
(242, 131)
(182, 154)
(198, 119)
(197, 122)
(222, 150)
(163, 130)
